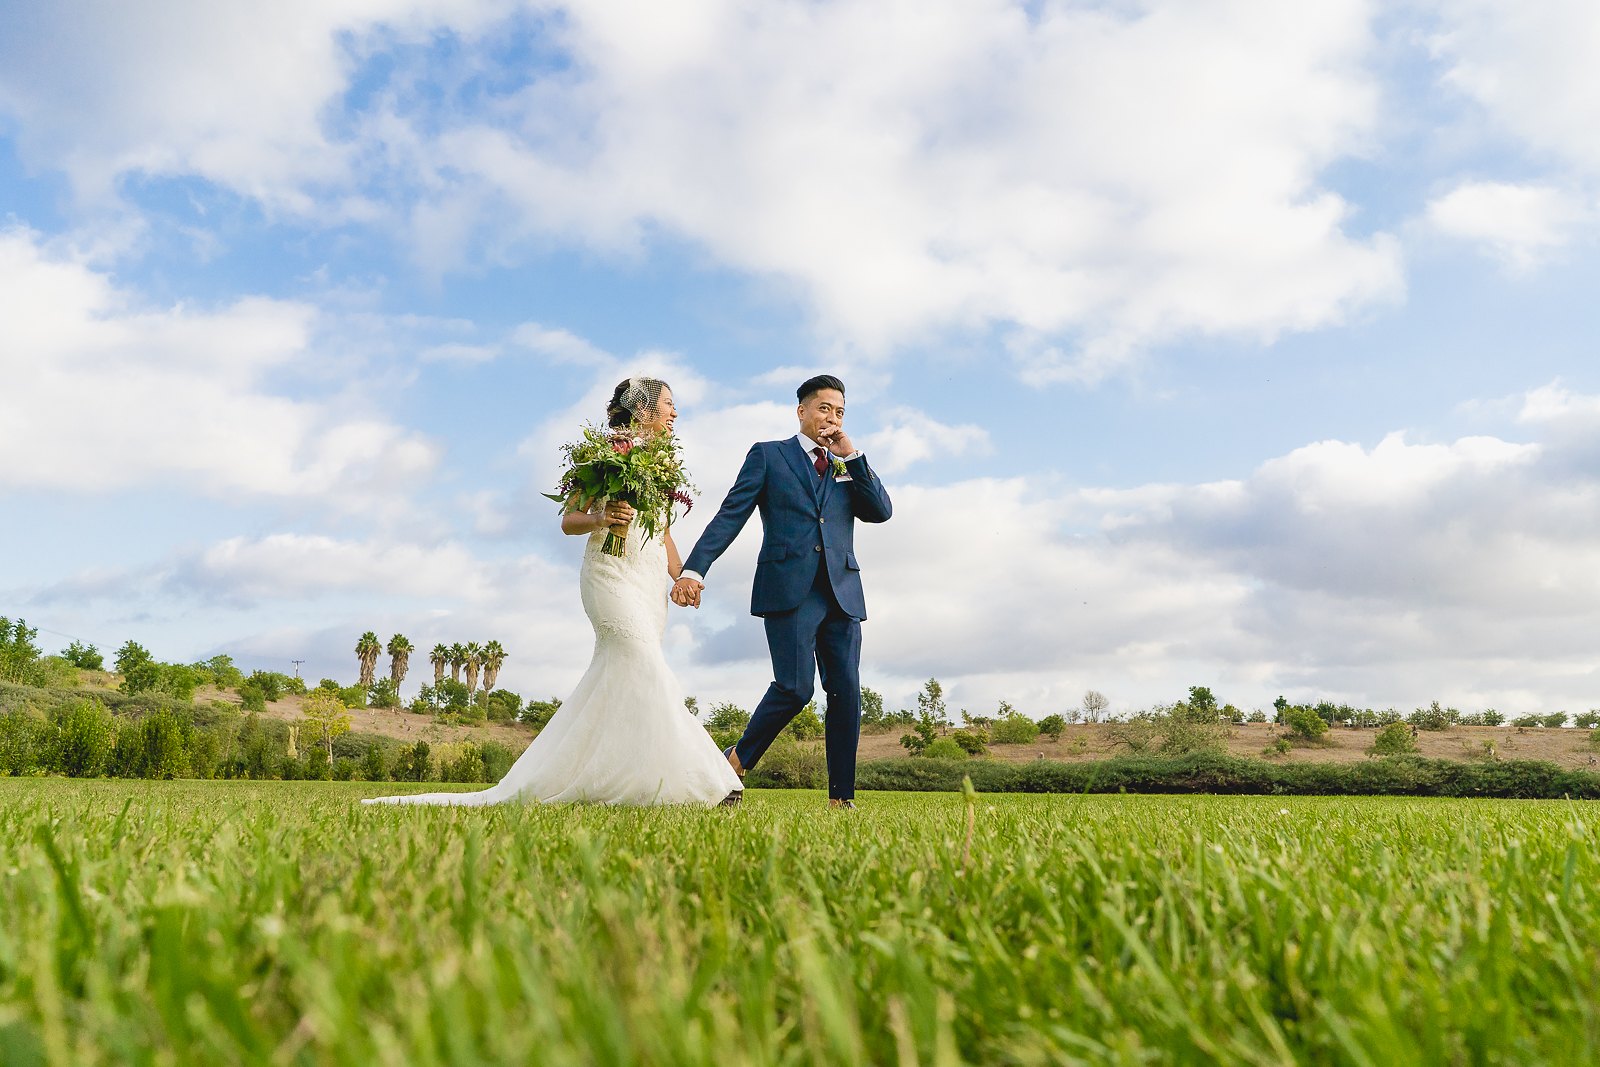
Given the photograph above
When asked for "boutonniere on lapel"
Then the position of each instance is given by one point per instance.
(841, 473)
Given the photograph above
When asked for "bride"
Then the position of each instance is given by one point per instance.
(624, 736)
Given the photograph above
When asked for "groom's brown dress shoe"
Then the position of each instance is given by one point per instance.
(733, 760)
(732, 800)
(842, 805)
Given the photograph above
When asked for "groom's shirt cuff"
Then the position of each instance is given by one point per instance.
(857, 454)
(694, 576)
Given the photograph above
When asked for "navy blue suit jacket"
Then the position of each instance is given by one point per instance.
(803, 517)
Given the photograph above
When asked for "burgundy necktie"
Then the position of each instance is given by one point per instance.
(822, 460)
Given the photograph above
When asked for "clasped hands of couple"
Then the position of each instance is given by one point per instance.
(686, 591)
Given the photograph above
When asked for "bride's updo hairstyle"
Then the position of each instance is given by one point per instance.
(632, 397)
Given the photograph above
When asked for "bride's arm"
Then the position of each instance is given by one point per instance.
(583, 523)
(674, 561)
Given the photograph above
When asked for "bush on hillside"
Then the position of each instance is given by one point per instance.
(1394, 740)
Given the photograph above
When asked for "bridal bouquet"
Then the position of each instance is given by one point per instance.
(645, 472)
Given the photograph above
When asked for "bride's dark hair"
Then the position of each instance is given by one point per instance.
(630, 397)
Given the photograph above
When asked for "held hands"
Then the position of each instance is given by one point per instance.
(686, 593)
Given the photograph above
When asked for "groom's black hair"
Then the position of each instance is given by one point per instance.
(812, 386)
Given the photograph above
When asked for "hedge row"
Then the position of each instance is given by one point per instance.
(1394, 776)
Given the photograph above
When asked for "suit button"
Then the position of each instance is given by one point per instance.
(821, 519)
(817, 549)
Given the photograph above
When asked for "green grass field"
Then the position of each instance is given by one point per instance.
(280, 922)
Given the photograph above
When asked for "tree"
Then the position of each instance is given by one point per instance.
(1201, 700)
(458, 659)
(326, 718)
(85, 656)
(872, 713)
(440, 659)
(930, 702)
(494, 657)
(139, 670)
(539, 712)
(400, 649)
(85, 736)
(1094, 705)
(1053, 726)
(692, 706)
(19, 656)
(806, 725)
(368, 649)
(474, 657)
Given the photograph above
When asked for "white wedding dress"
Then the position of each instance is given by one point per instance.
(624, 736)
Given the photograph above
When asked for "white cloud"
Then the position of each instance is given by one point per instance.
(1089, 178)
(104, 393)
(1519, 224)
(233, 92)
(909, 437)
(1530, 65)
(1394, 574)
(1101, 176)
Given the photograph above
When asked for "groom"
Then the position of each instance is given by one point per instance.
(810, 490)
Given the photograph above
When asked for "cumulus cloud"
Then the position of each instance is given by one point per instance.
(1530, 65)
(103, 392)
(1519, 224)
(232, 92)
(1529, 69)
(1087, 179)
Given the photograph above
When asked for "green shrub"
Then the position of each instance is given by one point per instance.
(1304, 723)
(153, 746)
(1555, 720)
(791, 764)
(806, 726)
(1014, 729)
(1256, 716)
(945, 748)
(1210, 773)
(1493, 718)
(1527, 721)
(1394, 740)
(84, 656)
(85, 737)
(971, 742)
(252, 697)
(1587, 720)
(539, 712)
(497, 760)
(1053, 726)
(23, 737)
(374, 766)
(466, 767)
(383, 693)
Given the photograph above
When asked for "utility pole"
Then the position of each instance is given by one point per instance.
(297, 663)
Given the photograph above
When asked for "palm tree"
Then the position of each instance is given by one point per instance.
(494, 656)
(400, 649)
(474, 661)
(458, 659)
(440, 658)
(368, 649)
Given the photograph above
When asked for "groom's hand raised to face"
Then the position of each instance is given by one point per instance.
(837, 442)
(686, 593)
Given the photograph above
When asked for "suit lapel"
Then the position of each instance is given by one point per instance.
(795, 452)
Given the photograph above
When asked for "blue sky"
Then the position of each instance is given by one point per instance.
(1225, 343)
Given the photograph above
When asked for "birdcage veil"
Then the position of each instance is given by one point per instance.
(636, 396)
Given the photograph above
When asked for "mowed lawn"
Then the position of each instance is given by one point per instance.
(280, 922)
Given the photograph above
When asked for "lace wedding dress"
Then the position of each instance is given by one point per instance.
(624, 736)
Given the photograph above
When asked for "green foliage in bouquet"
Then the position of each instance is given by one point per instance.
(646, 472)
